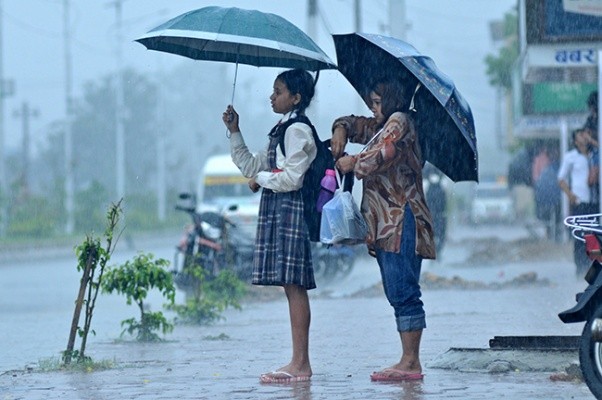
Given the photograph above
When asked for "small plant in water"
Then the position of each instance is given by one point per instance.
(135, 279)
(92, 259)
(210, 296)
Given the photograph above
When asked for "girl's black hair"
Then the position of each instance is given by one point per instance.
(299, 81)
(574, 134)
(395, 95)
(592, 99)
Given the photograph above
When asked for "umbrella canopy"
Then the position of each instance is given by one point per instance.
(444, 120)
(238, 36)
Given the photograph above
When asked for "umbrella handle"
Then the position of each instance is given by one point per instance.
(233, 89)
(414, 95)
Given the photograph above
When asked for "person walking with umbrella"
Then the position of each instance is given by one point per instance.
(394, 206)
(282, 254)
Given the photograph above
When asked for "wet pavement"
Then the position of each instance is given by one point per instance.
(352, 334)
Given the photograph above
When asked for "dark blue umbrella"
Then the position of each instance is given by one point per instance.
(444, 120)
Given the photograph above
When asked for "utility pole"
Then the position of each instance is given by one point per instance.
(3, 184)
(312, 16)
(68, 126)
(26, 113)
(161, 132)
(357, 10)
(397, 19)
(119, 104)
(312, 31)
(496, 31)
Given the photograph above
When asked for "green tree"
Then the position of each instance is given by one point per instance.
(90, 203)
(499, 66)
(94, 127)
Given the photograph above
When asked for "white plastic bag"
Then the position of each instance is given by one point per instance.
(342, 221)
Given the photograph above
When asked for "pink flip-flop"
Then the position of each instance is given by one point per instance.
(395, 375)
(282, 377)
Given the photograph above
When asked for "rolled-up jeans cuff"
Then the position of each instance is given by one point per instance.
(411, 323)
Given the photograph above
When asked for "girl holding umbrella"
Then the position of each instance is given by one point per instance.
(282, 254)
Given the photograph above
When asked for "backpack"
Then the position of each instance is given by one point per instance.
(313, 176)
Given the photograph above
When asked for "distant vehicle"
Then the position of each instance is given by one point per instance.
(223, 189)
(492, 202)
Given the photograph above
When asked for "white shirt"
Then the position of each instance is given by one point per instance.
(575, 170)
(300, 151)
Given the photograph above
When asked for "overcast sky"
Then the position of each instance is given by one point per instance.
(454, 33)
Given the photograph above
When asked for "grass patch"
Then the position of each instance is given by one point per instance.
(55, 364)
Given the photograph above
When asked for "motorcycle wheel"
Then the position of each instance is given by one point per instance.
(345, 265)
(590, 357)
(243, 267)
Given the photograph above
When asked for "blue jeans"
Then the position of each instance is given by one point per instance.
(400, 274)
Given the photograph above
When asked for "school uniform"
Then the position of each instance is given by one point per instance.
(282, 253)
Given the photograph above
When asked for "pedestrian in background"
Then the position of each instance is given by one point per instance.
(548, 206)
(282, 255)
(591, 123)
(436, 199)
(574, 178)
(394, 206)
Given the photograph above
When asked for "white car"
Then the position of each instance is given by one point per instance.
(492, 202)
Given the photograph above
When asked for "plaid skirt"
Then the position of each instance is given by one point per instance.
(282, 249)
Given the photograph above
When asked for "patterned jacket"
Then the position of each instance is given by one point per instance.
(391, 170)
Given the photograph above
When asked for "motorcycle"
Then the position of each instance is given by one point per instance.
(436, 200)
(332, 261)
(588, 309)
(212, 241)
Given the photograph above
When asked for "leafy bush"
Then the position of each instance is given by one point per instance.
(211, 296)
(31, 218)
(135, 279)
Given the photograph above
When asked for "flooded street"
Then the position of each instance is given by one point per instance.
(352, 332)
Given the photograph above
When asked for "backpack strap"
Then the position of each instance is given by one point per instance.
(281, 129)
(284, 126)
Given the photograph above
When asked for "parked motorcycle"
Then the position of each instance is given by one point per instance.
(332, 261)
(436, 199)
(212, 241)
(588, 309)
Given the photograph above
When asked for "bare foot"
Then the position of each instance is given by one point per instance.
(413, 367)
(288, 373)
(395, 375)
(282, 377)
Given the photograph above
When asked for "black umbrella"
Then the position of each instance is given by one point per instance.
(443, 119)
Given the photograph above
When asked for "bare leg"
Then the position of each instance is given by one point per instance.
(410, 357)
(300, 316)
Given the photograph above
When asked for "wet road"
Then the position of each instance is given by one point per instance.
(350, 336)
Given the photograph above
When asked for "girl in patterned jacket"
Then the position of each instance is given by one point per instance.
(394, 206)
